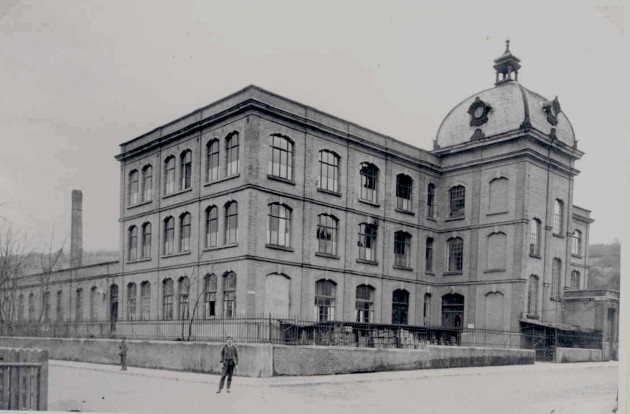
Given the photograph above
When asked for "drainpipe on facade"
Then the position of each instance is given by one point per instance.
(543, 313)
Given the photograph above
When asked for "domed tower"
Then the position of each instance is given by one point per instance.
(506, 201)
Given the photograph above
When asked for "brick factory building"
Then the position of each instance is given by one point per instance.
(256, 204)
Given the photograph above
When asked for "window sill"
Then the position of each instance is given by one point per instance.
(457, 273)
(560, 236)
(577, 256)
(455, 218)
(555, 298)
(213, 248)
(368, 262)
(220, 180)
(408, 269)
(166, 256)
(144, 203)
(535, 256)
(430, 273)
(369, 203)
(497, 213)
(187, 190)
(144, 259)
(278, 247)
(283, 180)
(333, 193)
(410, 213)
(433, 219)
(327, 255)
(494, 270)
(532, 316)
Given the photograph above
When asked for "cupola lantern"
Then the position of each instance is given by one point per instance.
(506, 65)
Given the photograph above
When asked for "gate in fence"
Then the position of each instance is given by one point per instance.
(23, 379)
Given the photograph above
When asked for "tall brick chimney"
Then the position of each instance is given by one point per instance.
(76, 231)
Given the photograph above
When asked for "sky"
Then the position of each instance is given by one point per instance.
(78, 78)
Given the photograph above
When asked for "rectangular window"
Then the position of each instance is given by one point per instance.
(169, 175)
(403, 192)
(186, 170)
(429, 255)
(364, 303)
(430, 201)
(402, 248)
(146, 241)
(133, 187)
(232, 154)
(281, 163)
(169, 236)
(212, 226)
(213, 161)
(147, 183)
(367, 242)
(231, 223)
(328, 171)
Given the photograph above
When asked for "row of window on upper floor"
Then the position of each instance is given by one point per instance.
(535, 232)
(281, 166)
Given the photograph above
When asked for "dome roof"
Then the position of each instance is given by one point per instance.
(504, 108)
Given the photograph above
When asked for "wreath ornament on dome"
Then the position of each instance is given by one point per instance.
(479, 112)
(552, 108)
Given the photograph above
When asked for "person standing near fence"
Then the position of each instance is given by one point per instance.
(123, 354)
(229, 359)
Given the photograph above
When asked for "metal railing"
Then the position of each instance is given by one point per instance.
(20, 385)
(296, 331)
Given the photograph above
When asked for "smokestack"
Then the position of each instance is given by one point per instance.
(76, 231)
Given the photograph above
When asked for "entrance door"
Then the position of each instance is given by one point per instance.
(452, 311)
(113, 306)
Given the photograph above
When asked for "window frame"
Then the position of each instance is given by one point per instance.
(147, 183)
(169, 235)
(134, 188)
(185, 170)
(145, 300)
(278, 168)
(368, 235)
(213, 161)
(328, 165)
(369, 173)
(431, 201)
(457, 201)
(229, 295)
(327, 234)
(132, 299)
(455, 255)
(167, 299)
(147, 229)
(185, 229)
(210, 296)
(169, 175)
(232, 154)
(558, 217)
(230, 234)
(364, 306)
(132, 247)
(279, 217)
(325, 300)
(404, 192)
(428, 254)
(402, 249)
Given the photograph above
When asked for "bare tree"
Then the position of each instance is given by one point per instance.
(50, 261)
(14, 257)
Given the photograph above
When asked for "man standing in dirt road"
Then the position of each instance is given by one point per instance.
(229, 359)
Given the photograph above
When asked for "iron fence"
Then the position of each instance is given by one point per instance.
(296, 331)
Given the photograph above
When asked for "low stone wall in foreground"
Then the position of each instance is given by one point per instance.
(266, 360)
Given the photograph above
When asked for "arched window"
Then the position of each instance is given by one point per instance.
(229, 295)
(281, 163)
(556, 269)
(21, 308)
(452, 310)
(404, 185)
(400, 307)
(212, 160)
(402, 249)
(146, 240)
(426, 311)
(132, 297)
(167, 299)
(133, 243)
(232, 153)
(431, 200)
(145, 300)
(184, 232)
(496, 252)
(212, 226)
(133, 187)
(185, 172)
(576, 243)
(59, 308)
(147, 183)
(369, 180)
(532, 297)
(327, 234)
(279, 230)
(183, 287)
(231, 222)
(78, 312)
(364, 304)
(534, 237)
(457, 196)
(498, 195)
(210, 300)
(113, 303)
(367, 242)
(328, 171)
(325, 291)
(558, 216)
(455, 254)
(428, 255)
(169, 175)
(169, 235)
(94, 296)
(46, 305)
(575, 279)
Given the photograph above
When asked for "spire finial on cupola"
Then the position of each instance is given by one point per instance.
(505, 65)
